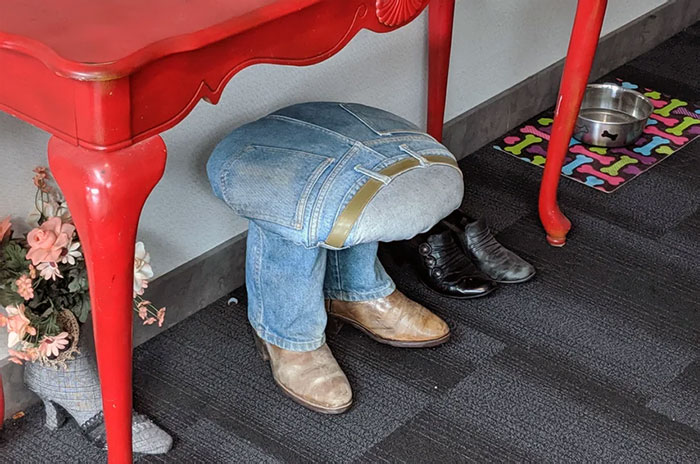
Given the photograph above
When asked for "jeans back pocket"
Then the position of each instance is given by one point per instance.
(272, 184)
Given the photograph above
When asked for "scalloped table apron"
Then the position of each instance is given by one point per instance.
(122, 71)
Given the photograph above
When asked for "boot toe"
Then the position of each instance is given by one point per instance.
(312, 378)
(428, 327)
(474, 287)
(517, 272)
(334, 394)
(436, 328)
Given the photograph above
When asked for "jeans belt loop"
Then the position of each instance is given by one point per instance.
(404, 148)
(373, 174)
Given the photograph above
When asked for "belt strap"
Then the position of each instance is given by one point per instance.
(352, 211)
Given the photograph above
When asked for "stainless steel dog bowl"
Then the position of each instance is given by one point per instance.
(611, 116)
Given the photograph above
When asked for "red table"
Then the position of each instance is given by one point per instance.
(106, 77)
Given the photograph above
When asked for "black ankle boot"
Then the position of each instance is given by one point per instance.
(492, 258)
(445, 268)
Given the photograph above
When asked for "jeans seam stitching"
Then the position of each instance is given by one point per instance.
(337, 268)
(304, 200)
(258, 264)
(376, 131)
(365, 123)
(311, 125)
(320, 199)
(224, 176)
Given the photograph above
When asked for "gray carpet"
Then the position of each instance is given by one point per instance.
(596, 359)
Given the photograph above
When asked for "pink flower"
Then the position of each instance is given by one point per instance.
(17, 325)
(40, 179)
(143, 308)
(51, 346)
(5, 227)
(48, 241)
(149, 321)
(49, 271)
(24, 287)
(18, 356)
(32, 271)
(160, 315)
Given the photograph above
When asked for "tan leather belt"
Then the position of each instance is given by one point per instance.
(352, 211)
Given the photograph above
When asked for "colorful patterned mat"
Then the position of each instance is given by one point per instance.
(673, 124)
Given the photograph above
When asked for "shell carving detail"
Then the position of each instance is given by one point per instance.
(397, 12)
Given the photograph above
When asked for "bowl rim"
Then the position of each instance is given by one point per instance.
(624, 89)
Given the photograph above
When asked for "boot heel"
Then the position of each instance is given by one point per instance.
(55, 417)
(334, 325)
(262, 349)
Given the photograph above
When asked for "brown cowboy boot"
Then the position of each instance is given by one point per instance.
(394, 320)
(311, 378)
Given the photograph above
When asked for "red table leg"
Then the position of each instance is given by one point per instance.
(105, 192)
(582, 47)
(440, 20)
(2, 404)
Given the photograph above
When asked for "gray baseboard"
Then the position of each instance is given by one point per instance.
(482, 124)
(207, 278)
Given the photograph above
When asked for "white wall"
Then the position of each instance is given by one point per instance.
(497, 43)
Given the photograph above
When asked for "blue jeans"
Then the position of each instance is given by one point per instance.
(287, 284)
(321, 184)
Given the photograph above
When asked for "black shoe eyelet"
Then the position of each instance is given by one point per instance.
(424, 249)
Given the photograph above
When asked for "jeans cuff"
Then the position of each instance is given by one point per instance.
(286, 344)
(345, 295)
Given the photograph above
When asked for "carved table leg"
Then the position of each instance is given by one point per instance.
(105, 192)
(440, 19)
(2, 403)
(582, 47)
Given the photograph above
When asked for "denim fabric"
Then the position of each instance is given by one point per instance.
(292, 173)
(296, 169)
(287, 285)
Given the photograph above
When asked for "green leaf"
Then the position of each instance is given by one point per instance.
(8, 297)
(16, 257)
(74, 284)
(46, 313)
(82, 309)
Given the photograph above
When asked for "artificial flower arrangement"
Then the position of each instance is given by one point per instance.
(44, 285)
